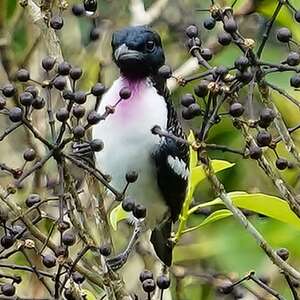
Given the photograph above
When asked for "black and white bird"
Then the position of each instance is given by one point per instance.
(129, 144)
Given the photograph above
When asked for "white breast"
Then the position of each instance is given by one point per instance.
(129, 143)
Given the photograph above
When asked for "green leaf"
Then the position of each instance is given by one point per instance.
(193, 153)
(88, 295)
(198, 174)
(117, 214)
(215, 216)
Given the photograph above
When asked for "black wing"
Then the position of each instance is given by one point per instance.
(172, 160)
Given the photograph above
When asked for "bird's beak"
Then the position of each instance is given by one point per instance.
(124, 54)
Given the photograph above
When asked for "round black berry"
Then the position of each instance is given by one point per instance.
(32, 90)
(125, 93)
(281, 163)
(96, 145)
(201, 90)
(98, 89)
(263, 138)
(245, 76)
(295, 81)
(29, 154)
(206, 54)
(8, 90)
(194, 42)
(78, 10)
(75, 73)
(64, 68)
(131, 176)
(78, 132)
(128, 204)
(284, 35)
(224, 38)
(266, 117)
(32, 199)
(165, 71)
(8, 289)
(283, 253)
(69, 295)
(163, 282)
(293, 59)
(191, 31)
(187, 100)
(48, 63)
(90, 5)
(15, 114)
(236, 109)
(60, 82)
(56, 22)
(78, 111)
(149, 285)
(95, 33)
(209, 23)
(297, 16)
(93, 118)
(80, 97)
(146, 274)
(194, 109)
(187, 114)
(139, 211)
(78, 278)
(38, 102)
(68, 95)
(241, 63)
(221, 71)
(69, 238)
(230, 25)
(23, 75)
(255, 152)
(26, 98)
(105, 250)
(7, 241)
(62, 115)
(49, 260)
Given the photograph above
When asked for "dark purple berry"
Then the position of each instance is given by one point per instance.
(281, 163)
(209, 23)
(32, 90)
(266, 117)
(93, 118)
(224, 38)
(8, 289)
(80, 97)
(64, 68)
(68, 95)
(69, 238)
(78, 10)
(56, 22)
(194, 109)
(78, 278)
(32, 199)
(48, 63)
(29, 154)
(60, 82)
(236, 109)
(191, 31)
(49, 260)
(23, 75)
(8, 90)
(98, 89)
(139, 211)
(15, 114)
(187, 100)
(241, 63)
(201, 90)
(78, 132)
(293, 59)
(128, 204)
(221, 71)
(284, 35)
(62, 115)
(295, 81)
(75, 73)
(78, 111)
(255, 152)
(26, 98)
(125, 93)
(131, 176)
(206, 54)
(38, 103)
(187, 114)
(165, 72)
(146, 274)
(230, 25)
(263, 138)
(149, 285)
(7, 241)
(163, 282)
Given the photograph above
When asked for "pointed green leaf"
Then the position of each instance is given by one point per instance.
(215, 216)
(193, 153)
(117, 214)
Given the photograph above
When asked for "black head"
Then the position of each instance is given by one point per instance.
(137, 51)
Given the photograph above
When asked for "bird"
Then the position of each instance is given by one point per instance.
(129, 143)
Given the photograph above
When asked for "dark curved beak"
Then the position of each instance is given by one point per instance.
(123, 54)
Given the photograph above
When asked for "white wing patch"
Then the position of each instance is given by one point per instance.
(178, 166)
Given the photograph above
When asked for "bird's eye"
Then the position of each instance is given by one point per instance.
(150, 45)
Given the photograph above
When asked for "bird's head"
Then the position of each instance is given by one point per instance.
(137, 51)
